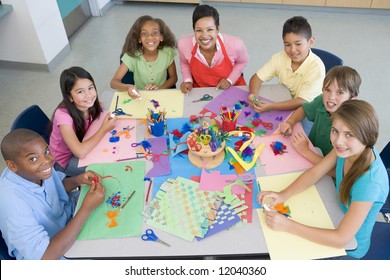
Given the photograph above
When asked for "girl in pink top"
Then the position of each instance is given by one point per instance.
(78, 109)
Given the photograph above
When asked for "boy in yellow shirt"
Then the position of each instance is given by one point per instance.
(296, 67)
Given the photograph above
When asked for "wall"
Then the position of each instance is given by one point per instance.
(32, 36)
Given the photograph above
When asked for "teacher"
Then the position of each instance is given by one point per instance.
(209, 58)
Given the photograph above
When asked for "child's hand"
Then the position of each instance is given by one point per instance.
(88, 177)
(186, 87)
(133, 92)
(276, 221)
(95, 196)
(223, 84)
(300, 142)
(108, 123)
(274, 197)
(285, 128)
(263, 106)
(151, 87)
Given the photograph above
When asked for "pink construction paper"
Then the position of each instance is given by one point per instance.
(288, 162)
(214, 181)
(105, 151)
(161, 164)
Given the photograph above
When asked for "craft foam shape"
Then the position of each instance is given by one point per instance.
(179, 147)
(243, 163)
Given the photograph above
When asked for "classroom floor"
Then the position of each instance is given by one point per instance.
(360, 37)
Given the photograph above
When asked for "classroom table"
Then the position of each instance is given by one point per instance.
(246, 240)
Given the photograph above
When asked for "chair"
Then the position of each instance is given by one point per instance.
(380, 242)
(35, 119)
(380, 237)
(385, 156)
(4, 250)
(329, 59)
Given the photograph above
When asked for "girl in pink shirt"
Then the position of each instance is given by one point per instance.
(72, 118)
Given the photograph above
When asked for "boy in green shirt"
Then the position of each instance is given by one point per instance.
(341, 83)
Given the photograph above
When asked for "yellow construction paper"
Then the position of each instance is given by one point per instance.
(170, 100)
(306, 208)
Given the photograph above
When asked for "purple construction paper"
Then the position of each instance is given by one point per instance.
(161, 166)
(233, 95)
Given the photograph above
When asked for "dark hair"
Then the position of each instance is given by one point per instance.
(13, 142)
(297, 25)
(346, 77)
(205, 11)
(132, 46)
(68, 79)
(360, 117)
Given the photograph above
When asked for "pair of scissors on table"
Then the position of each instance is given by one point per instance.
(150, 236)
(125, 131)
(267, 125)
(120, 112)
(205, 97)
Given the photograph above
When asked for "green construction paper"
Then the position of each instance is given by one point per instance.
(129, 219)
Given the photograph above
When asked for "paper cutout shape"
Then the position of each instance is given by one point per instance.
(215, 181)
(181, 209)
(234, 95)
(287, 162)
(308, 209)
(139, 107)
(129, 219)
(161, 164)
(106, 151)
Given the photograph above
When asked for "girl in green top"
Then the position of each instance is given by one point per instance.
(149, 53)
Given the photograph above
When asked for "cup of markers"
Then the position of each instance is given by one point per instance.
(156, 122)
(229, 118)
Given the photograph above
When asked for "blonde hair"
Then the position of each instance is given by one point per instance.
(360, 117)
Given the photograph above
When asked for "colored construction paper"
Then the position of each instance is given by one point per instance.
(226, 218)
(160, 158)
(181, 209)
(214, 181)
(170, 101)
(306, 208)
(106, 151)
(289, 161)
(119, 180)
(233, 95)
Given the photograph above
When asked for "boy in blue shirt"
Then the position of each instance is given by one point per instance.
(36, 205)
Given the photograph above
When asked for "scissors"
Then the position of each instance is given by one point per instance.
(267, 125)
(205, 97)
(150, 236)
(125, 131)
(120, 112)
